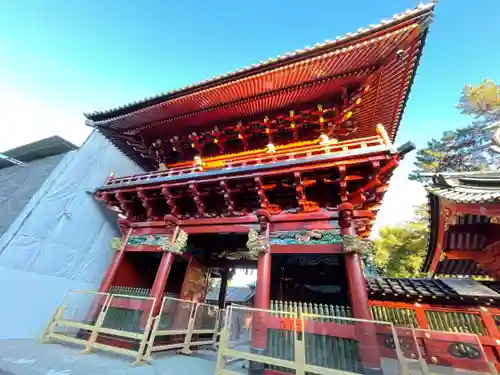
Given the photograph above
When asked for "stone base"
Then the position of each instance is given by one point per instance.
(256, 368)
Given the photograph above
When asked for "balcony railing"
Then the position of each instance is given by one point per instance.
(256, 157)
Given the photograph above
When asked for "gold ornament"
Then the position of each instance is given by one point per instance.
(179, 245)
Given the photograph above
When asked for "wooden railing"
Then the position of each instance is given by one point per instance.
(255, 157)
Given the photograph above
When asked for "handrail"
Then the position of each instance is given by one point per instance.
(260, 157)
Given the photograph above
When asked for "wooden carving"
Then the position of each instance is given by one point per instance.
(353, 244)
(179, 245)
(257, 244)
(116, 243)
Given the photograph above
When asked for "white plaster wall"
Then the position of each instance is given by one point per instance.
(44, 253)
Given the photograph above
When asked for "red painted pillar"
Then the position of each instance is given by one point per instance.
(106, 283)
(263, 287)
(158, 289)
(357, 287)
(262, 298)
(111, 272)
(367, 339)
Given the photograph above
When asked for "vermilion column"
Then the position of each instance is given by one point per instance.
(158, 289)
(106, 283)
(367, 339)
(113, 268)
(357, 287)
(260, 319)
(263, 287)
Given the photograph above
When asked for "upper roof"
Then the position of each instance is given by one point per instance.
(467, 187)
(43, 148)
(306, 75)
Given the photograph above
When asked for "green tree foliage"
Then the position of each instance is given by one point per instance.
(464, 149)
(400, 249)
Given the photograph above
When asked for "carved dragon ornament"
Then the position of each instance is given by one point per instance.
(257, 244)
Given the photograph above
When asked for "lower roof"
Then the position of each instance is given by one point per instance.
(467, 187)
(43, 148)
(461, 187)
(456, 290)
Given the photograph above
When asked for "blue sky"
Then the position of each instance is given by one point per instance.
(59, 59)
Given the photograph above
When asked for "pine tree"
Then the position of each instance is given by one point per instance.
(465, 149)
(482, 102)
(400, 249)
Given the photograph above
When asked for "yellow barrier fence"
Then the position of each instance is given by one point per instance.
(87, 318)
(300, 343)
(430, 352)
(182, 325)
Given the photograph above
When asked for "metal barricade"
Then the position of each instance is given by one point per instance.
(76, 317)
(442, 353)
(204, 326)
(172, 326)
(300, 343)
(89, 319)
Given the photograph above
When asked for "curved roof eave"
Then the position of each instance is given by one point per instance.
(272, 63)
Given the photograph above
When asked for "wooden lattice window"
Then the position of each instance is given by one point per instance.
(395, 315)
(455, 322)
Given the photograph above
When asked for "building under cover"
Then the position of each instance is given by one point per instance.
(53, 235)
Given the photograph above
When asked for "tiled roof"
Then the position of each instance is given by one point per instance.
(382, 59)
(467, 187)
(43, 148)
(465, 290)
(416, 288)
(339, 41)
(234, 294)
(467, 267)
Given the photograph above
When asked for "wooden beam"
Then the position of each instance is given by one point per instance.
(264, 201)
(463, 254)
(147, 203)
(230, 206)
(125, 204)
(343, 183)
(200, 206)
(306, 249)
(170, 201)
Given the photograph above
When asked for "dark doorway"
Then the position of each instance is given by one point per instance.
(311, 278)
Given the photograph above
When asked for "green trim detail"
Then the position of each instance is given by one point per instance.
(306, 237)
(149, 239)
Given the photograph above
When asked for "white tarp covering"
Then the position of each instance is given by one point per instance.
(60, 241)
(18, 184)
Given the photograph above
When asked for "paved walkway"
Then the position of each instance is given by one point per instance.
(27, 357)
